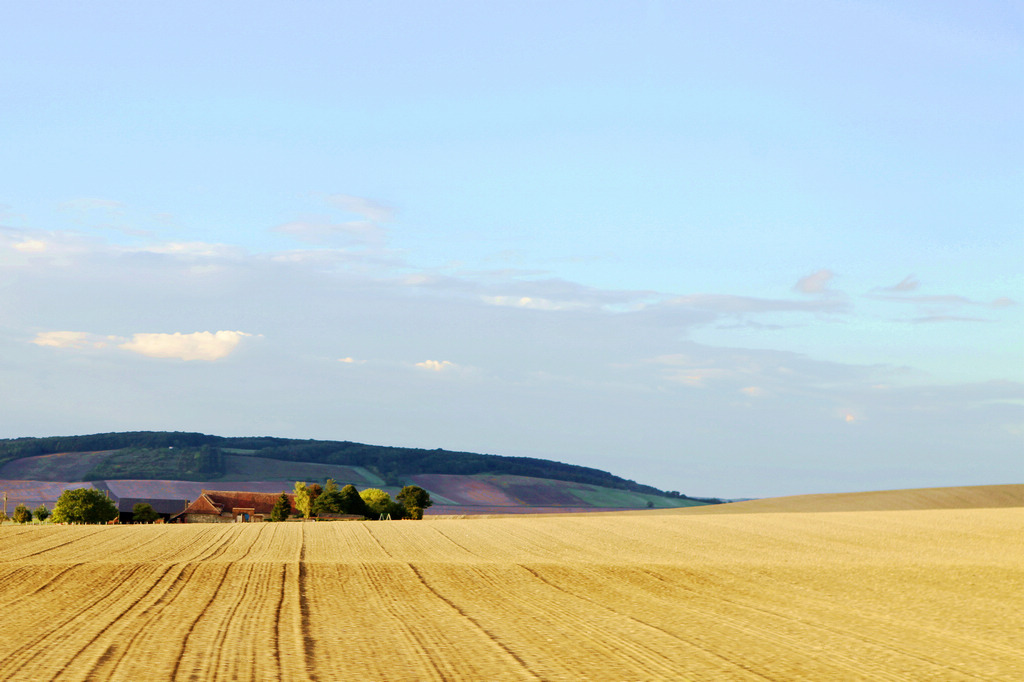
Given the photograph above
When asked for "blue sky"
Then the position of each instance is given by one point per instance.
(729, 248)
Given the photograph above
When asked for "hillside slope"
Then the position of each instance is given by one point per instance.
(162, 455)
(965, 497)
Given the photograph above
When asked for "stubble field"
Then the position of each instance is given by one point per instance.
(919, 594)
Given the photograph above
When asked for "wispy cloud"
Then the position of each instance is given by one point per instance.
(932, 319)
(85, 204)
(900, 293)
(322, 231)
(191, 249)
(369, 209)
(726, 304)
(815, 283)
(908, 283)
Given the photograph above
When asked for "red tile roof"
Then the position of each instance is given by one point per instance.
(260, 503)
(223, 501)
(203, 505)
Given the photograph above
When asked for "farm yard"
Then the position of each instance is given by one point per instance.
(782, 593)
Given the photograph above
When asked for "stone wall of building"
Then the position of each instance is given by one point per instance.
(208, 518)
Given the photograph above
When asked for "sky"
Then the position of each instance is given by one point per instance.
(734, 249)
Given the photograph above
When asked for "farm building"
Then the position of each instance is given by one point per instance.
(164, 507)
(231, 506)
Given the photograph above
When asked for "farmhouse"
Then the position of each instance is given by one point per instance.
(231, 506)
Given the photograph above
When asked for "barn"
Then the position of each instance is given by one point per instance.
(231, 506)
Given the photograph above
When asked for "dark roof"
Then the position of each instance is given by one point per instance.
(160, 506)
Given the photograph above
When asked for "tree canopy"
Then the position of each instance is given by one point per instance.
(22, 514)
(378, 502)
(414, 500)
(84, 505)
(303, 499)
(281, 509)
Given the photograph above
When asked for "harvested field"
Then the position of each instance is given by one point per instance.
(876, 595)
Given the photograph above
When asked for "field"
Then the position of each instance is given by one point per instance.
(910, 594)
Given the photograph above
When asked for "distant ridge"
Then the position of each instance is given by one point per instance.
(163, 455)
(964, 497)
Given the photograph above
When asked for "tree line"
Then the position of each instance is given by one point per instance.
(88, 505)
(371, 503)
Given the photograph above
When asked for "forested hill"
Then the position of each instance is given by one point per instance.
(198, 456)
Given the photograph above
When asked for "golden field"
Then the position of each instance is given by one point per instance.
(928, 589)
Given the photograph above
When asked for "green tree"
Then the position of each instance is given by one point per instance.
(380, 503)
(414, 500)
(344, 501)
(281, 509)
(352, 501)
(329, 501)
(22, 514)
(83, 505)
(303, 499)
(42, 513)
(143, 512)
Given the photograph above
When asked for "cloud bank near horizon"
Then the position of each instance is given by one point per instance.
(585, 377)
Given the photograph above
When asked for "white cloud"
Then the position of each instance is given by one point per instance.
(532, 303)
(62, 339)
(436, 365)
(207, 346)
(351, 361)
(752, 391)
(815, 283)
(194, 249)
(30, 246)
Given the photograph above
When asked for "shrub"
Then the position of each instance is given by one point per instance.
(42, 513)
(143, 512)
(22, 514)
